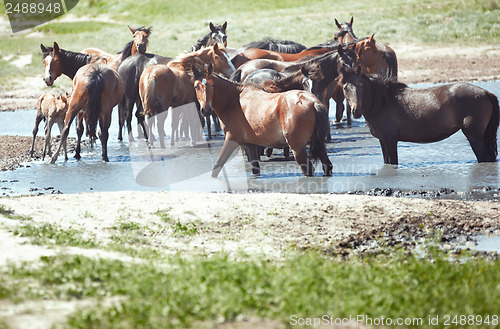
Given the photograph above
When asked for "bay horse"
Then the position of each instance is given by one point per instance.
(137, 46)
(97, 88)
(58, 61)
(250, 116)
(170, 85)
(51, 109)
(395, 112)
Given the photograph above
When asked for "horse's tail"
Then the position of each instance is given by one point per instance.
(490, 134)
(236, 76)
(147, 95)
(320, 133)
(391, 59)
(94, 89)
(39, 113)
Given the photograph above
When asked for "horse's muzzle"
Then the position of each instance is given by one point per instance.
(48, 81)
(356, 113)
(207, 110)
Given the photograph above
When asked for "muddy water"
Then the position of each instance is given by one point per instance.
(446, 169)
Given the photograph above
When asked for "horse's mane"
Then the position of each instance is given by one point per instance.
(282, 46)
(186, 60)
(127, 50)
(385, 88)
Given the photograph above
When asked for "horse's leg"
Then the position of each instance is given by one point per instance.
(209, 128)
(286, 151)
(38, 119)
(303, 160)
(122, 114)
(325, 161)
(226, 151)
(252, 151)
(65, 147)
(477, 144)
(390, 151)
(79, 133)
(139, 114)
(215, 118)
(150, 119)
(48, 128)
(160, 121)
(70, 116)
(104, 123)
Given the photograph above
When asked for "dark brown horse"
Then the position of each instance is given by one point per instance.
(96, 90)
(137, 46)
(250, 116)
(170, 85)
(394, 112)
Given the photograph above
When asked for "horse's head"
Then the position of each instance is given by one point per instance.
(204, 86)
(53, 63)
(62, 101)
(354, 83)
(217, 34)
(370, 58)
(141, 35)
(221, 60)
(345, 34)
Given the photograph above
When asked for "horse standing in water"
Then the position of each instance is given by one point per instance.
(96, 90)
(164, 86)
(251, 116)
(137, 46)
(394, 112)
(51, 109)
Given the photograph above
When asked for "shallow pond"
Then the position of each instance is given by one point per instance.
(425, 169)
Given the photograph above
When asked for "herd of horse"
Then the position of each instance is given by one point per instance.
(270, 93)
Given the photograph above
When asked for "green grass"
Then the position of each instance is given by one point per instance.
(306, 284)
(47, 234)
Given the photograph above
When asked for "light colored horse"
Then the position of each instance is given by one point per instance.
(51, 109)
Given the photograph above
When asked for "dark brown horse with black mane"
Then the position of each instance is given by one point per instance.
(96, 90)
(394, 112)
(250, 116)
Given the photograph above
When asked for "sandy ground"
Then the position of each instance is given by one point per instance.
(268, 224)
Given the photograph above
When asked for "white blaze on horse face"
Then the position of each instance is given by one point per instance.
(48, 76)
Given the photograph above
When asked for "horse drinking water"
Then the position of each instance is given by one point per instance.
(250, 116)
(394, 112)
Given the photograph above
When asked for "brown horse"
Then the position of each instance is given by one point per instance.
(250, 116)
(394, 112)
(254, 53)
(51, 109)
(96, 90)
(163, 86)
(137, 46)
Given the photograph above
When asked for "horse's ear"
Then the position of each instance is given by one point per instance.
(210, 69)
(56, 48)
(44, 50)
(224, 26)
(351, 21)
(196, 73)
(370, 39)
(216, 47)
(340, 50)
(149, 30)
(212, 27)
(131, 30)
(337, 23)
(225, 44)
(358, 70)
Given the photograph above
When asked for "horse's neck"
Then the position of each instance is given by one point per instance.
(225, 94)
(73, 62)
